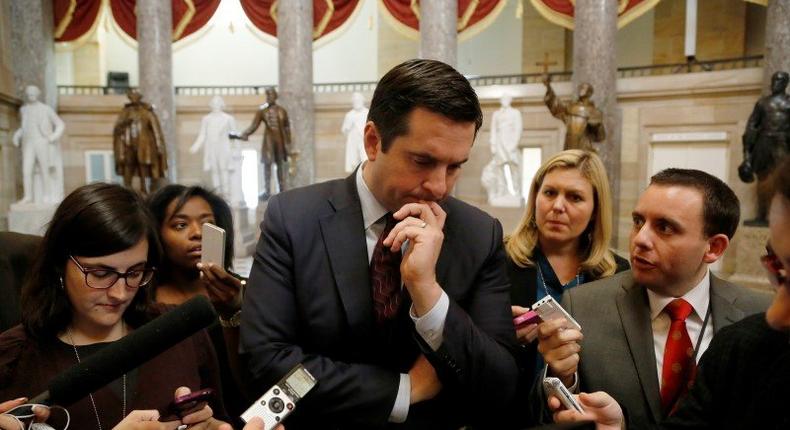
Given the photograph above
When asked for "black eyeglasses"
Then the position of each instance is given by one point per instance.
(777, 273)
(101, 279)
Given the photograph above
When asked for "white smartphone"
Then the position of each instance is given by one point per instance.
(549, 309)
(277, 403)
(555, 387)
(213, 245)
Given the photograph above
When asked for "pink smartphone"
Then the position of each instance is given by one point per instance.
(529, 317)
(187, 404)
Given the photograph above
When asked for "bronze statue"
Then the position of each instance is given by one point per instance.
(583, 121)
(766, 142)
(138, 144)
(276, 147)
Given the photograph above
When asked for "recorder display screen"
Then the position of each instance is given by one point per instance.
(300, 382)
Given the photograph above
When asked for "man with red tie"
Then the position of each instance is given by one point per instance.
(644, 330)
(391, 292)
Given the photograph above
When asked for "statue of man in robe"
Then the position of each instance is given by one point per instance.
(215, 131)
(583, 121)
(501, 175)
(354, 129)
(766, 142)
(39, 133)
(276, 147)
(138, 144)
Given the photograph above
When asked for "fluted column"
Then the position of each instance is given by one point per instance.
(33, 53)
(155, 57)
(594, 62)
(777, 41)
(438, 30)
(295, 55)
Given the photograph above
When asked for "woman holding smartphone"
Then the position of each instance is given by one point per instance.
(180, 213)
(561, 242)
(88, 288)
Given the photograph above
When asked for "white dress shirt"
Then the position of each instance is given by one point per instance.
(431, 325)
(699, 299)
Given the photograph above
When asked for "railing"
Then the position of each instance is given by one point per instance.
(477, 81)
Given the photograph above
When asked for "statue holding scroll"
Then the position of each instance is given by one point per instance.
(766, 142)
(583, 121)
(138, 144)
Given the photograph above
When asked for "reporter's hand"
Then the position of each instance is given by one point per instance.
(254, 424)
(145, 420)
(9, 423)
(525, 334)
(224, 289)
(560, 348)
(199, 420)
(599, 407)
(424, 382)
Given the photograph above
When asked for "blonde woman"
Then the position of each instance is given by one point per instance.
(562, 241)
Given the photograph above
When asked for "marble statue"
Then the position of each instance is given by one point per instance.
(501, 175)
(218, 155)
(138, 144)
(41, 128)
(354, 130)
(766, 142)
(276, 147)
(583, 121)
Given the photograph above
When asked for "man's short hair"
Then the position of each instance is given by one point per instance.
(721, 209)
(427, 84)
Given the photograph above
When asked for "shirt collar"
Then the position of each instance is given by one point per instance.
(698, 297)
(372, 210)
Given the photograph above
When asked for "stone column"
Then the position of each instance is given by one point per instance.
(438, 30)
(594, 62)
(155, 58)
(295, 57)
(33, 53)
(777, 41)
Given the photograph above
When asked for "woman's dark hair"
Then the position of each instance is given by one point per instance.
(94, 220)
(782, 179)
(161, 199)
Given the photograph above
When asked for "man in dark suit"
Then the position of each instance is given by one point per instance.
(392, 293)
(633, 346)
(17, 252)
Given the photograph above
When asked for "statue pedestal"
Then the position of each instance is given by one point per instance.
(506, 201)
(30, 218)
(244, 232)
(748, 269)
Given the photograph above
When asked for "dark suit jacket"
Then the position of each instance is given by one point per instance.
(742, 382)
(17, 252)
(309, 301)
(524, 292)
(617, 353)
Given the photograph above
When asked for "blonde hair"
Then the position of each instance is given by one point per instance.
(598, 259)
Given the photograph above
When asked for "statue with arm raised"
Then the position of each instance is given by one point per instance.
(583, 120)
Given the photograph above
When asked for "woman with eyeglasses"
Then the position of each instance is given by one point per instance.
(89, 288)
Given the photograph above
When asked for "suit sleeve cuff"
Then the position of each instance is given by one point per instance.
(400, 410)
(431, 325)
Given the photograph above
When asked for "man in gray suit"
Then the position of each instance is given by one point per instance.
(682, 223)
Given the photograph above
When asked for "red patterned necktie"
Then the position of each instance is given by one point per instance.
(385, 276)
(679, 367)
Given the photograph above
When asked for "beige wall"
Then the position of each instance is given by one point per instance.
(10, 158)
(541, 37)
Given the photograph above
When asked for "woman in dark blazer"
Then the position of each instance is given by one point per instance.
(562, 241)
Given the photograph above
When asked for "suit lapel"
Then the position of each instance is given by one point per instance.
(344, 239)
(722, 297)
(634, 312)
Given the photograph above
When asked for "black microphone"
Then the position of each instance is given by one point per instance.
(129, 352)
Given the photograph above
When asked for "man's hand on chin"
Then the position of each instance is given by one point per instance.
(421, 224)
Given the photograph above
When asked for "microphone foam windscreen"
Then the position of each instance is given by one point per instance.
(131, 351)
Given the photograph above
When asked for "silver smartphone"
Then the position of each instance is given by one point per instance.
(549, 309)
(555, 387)
(213, 245)
(277, 403)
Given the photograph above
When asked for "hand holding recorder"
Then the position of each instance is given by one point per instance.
(558, 339)
(224, 289)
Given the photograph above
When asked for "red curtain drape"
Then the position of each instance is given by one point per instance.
(328, 15)
(470, 12)
(561, 12)
(124, 15)
(74, 18)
